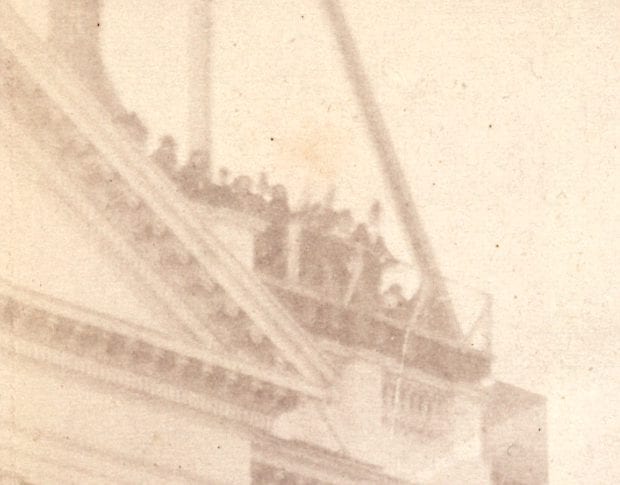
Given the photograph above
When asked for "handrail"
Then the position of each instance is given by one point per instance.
(310, 294)
(452, 360)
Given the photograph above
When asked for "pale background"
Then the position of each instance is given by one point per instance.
(505, 115)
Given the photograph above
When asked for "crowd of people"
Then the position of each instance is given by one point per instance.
(338, 257)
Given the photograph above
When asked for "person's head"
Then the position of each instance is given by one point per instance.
(224, 174)
(361, 229)
(374, 215)
(242, 184)
(198, 158)
(167, 141)
(263, 183)
(395, 289)
(278, 192)
(345, 221)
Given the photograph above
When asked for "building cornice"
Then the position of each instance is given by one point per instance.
(55, 308)
(134, 363)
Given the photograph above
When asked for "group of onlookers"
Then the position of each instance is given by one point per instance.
(343, 260)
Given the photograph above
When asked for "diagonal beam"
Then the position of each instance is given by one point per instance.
(391, 168)
(159, 193)
(185, 321)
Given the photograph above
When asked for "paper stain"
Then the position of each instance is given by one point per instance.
(322, 151)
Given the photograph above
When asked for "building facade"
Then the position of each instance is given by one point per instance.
(267, 350)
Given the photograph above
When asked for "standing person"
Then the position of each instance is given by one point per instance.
(262, 187)
(220, 194)
(374, 221)
(245, 200)
(134, 126)
(166, 155)
(278, 207)
(195, 175)
(272, 255)
(394, 302)
(360, 241)
(336, 254)
(366, 270)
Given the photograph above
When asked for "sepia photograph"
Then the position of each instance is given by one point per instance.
(309, 242)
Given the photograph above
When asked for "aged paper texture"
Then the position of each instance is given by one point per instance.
(309, 241)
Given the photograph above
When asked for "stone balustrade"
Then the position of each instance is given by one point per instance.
(359, 327)
(416, 409)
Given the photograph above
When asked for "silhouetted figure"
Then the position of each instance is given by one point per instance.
(253, 203)
(335, 258)
(224, 177)
(374, 214)
(395, 303)
(366, 275)
(326, 218)
(220, 194)
(278, 208)
(382, 253)
(242, 193)
(195, 176)
(308, 244)
(134, 126)
(241, 185)
(374, 221)
(73, 145)
(344, 224)
(361, 236)
(262, 187)
(333, 252)
(166, 155)
(271, 247)
(311, 216)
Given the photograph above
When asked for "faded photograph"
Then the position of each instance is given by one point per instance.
(309, 242)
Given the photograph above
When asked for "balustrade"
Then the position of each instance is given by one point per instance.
(415, 409)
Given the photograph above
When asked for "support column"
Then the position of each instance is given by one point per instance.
(74, 31)
(199, 80)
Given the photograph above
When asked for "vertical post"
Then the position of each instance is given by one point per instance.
(74, 31)
(199, 115)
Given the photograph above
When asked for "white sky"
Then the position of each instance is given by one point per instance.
(505, 115)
